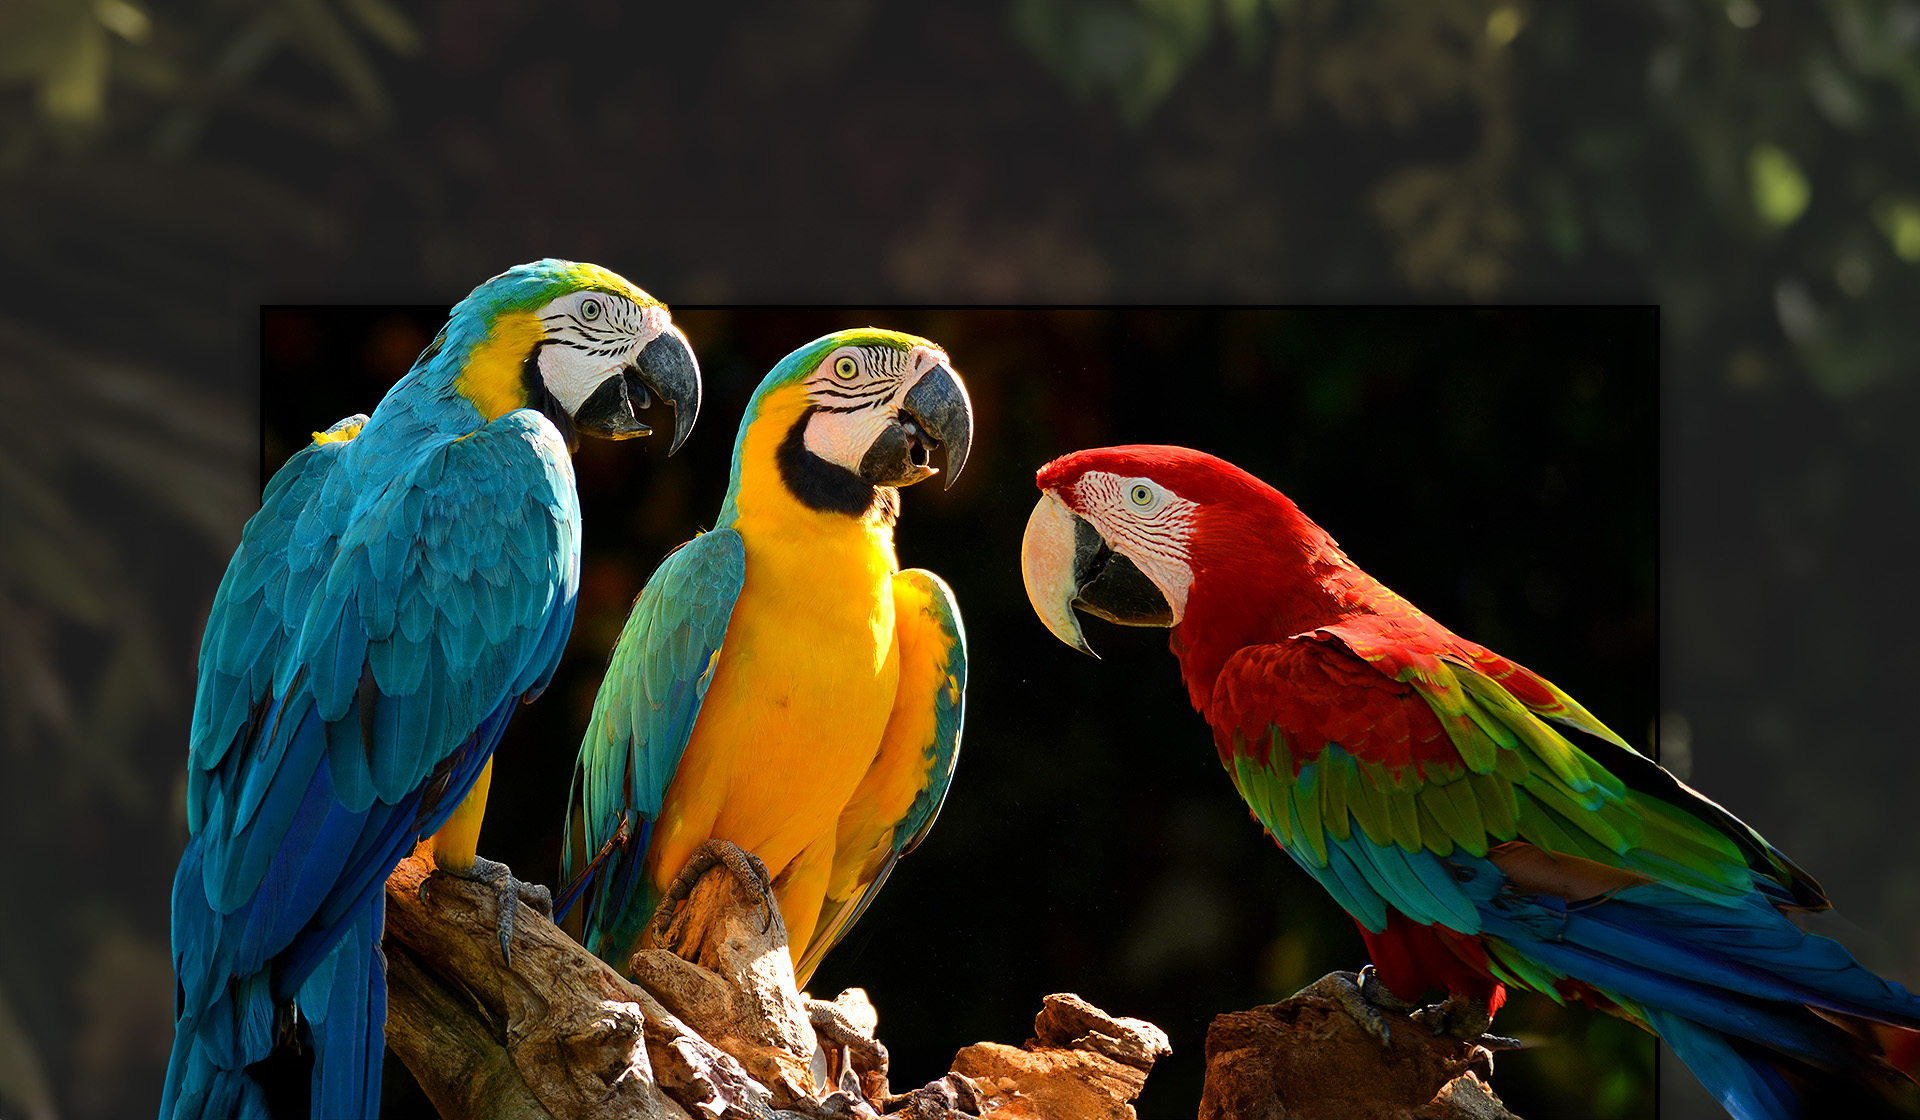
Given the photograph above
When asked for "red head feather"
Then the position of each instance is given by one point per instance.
(1262, 570)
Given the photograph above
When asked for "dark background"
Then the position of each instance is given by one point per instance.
(1497, 467)
(168, 167)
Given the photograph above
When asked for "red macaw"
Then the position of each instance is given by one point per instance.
(1482, 828)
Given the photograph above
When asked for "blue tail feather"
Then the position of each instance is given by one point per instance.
(1749, 1088)
(346, 1008)
(311, 922)
(1757, 1008)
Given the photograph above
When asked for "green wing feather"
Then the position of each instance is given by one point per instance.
(656, 680)
(1373, 816)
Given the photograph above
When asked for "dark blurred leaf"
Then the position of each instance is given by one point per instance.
(23, 1073)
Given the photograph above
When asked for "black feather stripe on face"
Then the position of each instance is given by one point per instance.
(829, 487)
(540, 398)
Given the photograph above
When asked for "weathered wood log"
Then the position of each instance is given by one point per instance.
(557, 1033)
(1082, 1063)
(1306, 1058)
(712, 1029)
(726, 972)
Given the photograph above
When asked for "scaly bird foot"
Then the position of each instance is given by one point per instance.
(509, 892)
(1363, 997)
(856, 1062)
(1465, 1018)
(746, 867)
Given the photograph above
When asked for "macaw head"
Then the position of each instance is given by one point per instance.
(862, 411)
(1140, 535)
(577, 342)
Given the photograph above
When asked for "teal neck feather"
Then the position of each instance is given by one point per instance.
(428, 396)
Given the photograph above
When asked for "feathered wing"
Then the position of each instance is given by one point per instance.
(655, 682)
(1437, 794)
(896, 802)
(365, 648)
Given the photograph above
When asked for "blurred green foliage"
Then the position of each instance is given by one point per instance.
(167, 166)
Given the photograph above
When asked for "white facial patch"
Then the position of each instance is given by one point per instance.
(591, 336)
(1148, 524)
(854, 403)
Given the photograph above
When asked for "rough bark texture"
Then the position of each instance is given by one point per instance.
(1305, 1058)
(1082, 1064)
(713, 1029)
(556, 1034)
(726, 973)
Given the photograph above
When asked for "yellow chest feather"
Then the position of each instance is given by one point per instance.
(806, 680)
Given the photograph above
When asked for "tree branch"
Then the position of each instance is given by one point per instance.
(1306, 1058)
(558, 1033)
(713, 1029)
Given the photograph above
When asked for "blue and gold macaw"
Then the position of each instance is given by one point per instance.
(781, 684)
(410, 577)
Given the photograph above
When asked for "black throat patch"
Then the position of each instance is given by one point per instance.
(829, 487)
(544, 402)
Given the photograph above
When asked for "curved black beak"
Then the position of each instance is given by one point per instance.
(1066, 564)
(667, 367)
(935, 414)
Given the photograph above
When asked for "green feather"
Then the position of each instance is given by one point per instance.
(1438, 806)
(1256, 787)
(1371, 807)
(1404, 818)
(1510, 967)
(1292, 817)
(1336, 774)
(1305, 799)
(1473, 830)
(1512, 765)
(1567, 763)
(1279, 756)
(1432, 833)
(1547, 830)
(1594, 822)
(1494, 795)
(1689, 846)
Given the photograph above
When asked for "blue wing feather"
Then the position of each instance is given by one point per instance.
(348, 590)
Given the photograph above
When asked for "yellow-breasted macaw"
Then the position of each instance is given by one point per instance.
(781, 684)
(409, 579)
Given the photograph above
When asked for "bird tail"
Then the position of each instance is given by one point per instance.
(1776, 1022)
(1754, 1082)
(615, 899)
(245, 1055)
(198, 1086)
(214, 1039)
(203, 1081)
(344, 1001)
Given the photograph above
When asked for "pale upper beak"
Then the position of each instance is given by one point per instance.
(1069, 566)
(1055, 547)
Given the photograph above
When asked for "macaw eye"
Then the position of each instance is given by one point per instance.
(590, 310)
(1142, 494)
(845, 367)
